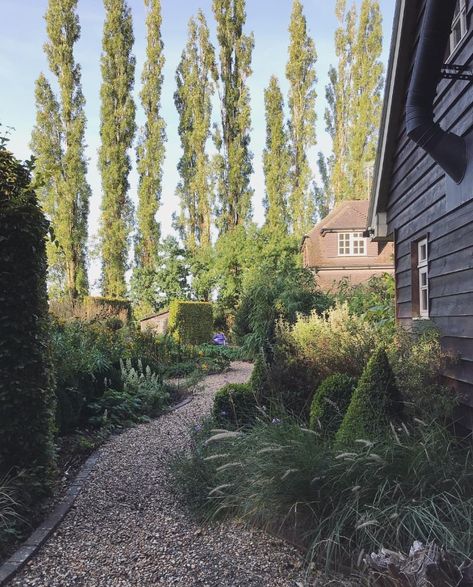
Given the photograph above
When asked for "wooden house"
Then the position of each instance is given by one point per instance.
(336, 248)
(422, 197)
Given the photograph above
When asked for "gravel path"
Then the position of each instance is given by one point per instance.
(126, 528)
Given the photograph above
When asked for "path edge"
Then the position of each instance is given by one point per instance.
(39, 536)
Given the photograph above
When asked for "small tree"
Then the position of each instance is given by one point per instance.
(375, 403)
(26, 391)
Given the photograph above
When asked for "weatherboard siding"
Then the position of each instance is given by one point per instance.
(417, 207)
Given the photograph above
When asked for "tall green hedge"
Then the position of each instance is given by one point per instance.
(26, 386)
(191, 322)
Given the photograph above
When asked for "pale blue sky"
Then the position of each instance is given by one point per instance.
(22, 34)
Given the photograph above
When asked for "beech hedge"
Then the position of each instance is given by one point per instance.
(190, 322)
(26, 382)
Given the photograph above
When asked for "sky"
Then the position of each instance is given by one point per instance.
(22, 35)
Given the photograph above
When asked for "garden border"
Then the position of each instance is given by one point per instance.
(31, 546)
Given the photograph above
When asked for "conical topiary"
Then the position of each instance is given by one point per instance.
(331, 401)
(375, 403)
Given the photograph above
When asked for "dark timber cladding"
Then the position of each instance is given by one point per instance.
(413, 199)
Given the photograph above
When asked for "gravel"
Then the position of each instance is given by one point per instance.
(126, 528)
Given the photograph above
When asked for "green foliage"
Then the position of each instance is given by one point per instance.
(26, 382)
(142, 383)
(375, 403)
(190, 322)
(336, 342)
(300, 73)
(117, 129)
(259, 377)
(195, 88)
(58, 145)
(276, 162)
(415, 485)
(354, 96)
(235, 405)
(330, 403)
(234, 159)
(150, 149)
(419, 362)
(373, 300)
(271, 295)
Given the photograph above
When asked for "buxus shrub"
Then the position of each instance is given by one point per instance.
(26, 389)
(375, 403)
(330, 403)
(191, 322)
(235, 405)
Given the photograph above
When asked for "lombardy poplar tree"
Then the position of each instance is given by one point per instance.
(276, 161)
(117, 130)
(234, 163)
(58, 145)
(150, 150)
(354, 99)
(150, 157)
(195, 88)
(300, 72)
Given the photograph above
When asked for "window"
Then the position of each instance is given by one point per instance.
(351, 244)
(459, 25)
(423, 272)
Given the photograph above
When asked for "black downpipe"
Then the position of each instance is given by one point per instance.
(446, 148)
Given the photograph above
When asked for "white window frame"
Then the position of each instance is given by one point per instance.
(423, 271)
(354, 238)
(460, 19)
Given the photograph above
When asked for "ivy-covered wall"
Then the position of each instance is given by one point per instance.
(191, 322)
(26, 386)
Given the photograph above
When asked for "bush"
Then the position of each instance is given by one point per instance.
(275, 295)
(419, 362)
(91, 309)
(330, 403)
(259, 378)
(375, 403)
(235, 405)
(191, 322)
(337, 342)
(26, 383)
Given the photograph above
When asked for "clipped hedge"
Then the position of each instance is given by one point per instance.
(26, 382)
(330, 403)
(375, 403)
(190, 322)
(101, 308)
(235, 406)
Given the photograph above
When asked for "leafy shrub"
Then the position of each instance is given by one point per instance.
(235, 405)
(373, 300)
(416, 484)
(330, 403)
(149, 387)
(190, 322)
(115, 409)
(418, 362)
(337, 342)
(375, 403)
(274, 295)
(26, 383)
(259, 378)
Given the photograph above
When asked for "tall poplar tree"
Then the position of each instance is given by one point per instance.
(58, 145)
(354, 99)
(276, 161)
(150, 156)
(117, 130)
(233, 139)
(195, 88)
(300, 72)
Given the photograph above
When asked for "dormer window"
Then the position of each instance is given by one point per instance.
(351, 244)
(459, 25)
